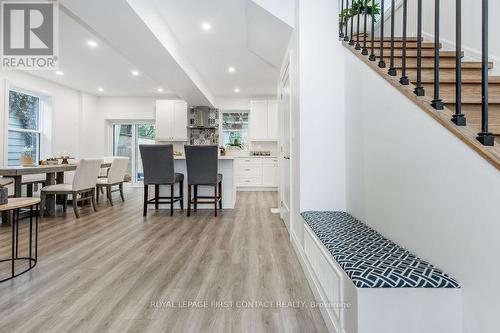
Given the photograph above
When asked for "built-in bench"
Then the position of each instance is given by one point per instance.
(370, 284)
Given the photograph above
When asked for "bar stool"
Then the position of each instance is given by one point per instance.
(15, 205)
(202, 164)
(158, 166)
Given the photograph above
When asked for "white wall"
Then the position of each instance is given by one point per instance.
(61, 122)
(121, 109)
(322, 117)
(419, 185)
(471, 26)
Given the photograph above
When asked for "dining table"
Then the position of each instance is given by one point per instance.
(54, 174)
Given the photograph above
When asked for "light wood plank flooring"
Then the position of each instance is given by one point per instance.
(110, 272)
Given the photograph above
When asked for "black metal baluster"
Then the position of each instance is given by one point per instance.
(372, 52)
(381, 63)
(358, 45)
(485, 137)
(419, 89)
(351, 41)
(346, 21)
(365, 49)
(437, 103)
(392, 70)
(458, 118)
(404, 78)
(341, 20)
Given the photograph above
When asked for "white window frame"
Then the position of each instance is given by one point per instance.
(221, 128)
(40, 117)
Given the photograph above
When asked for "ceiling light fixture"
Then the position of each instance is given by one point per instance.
(236, 90)
(159, 90)
(135, 73)
(60, 73)
(92, 44)
(206, 26)
(231, 69)
(100, 89)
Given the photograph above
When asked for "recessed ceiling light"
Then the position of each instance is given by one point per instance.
(236, 90)
(231, 69)
(159, 90)
(92, 44)
(60, 73)
(100, 89)
(135, 73)
(206, 26)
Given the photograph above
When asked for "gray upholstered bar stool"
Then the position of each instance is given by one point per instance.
(202, 168)
(158, 166)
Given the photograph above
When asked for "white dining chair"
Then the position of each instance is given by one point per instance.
(81, 189)
(115, 177)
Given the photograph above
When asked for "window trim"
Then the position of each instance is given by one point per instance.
(221, 128)
(38, 130)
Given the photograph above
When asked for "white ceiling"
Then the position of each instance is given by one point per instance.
(227, 44)
(87, 68)
(163, 40)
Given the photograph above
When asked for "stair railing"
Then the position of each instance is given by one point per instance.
(485, 137)
(459, 119)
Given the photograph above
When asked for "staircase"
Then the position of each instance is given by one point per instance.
(471, 78)
(401, 59)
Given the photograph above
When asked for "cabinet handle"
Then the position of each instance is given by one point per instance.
(248, 169)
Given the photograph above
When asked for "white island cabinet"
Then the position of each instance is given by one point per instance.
(226, 168)
(171, 120)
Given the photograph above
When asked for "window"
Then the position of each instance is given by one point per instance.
(235, 130)
(23, 127)
(126, 141)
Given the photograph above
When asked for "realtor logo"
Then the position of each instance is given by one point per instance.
(29, 32)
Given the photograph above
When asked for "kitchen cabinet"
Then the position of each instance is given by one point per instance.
(171, 120)
(270, 168)
(263, 120)
(257, 172)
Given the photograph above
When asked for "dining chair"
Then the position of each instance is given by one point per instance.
(158, 167)
(81, 189)
(202, 170)
(115, 177)
(32, 182)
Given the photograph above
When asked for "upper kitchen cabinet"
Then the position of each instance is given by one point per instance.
(263, 120)
(171, 120)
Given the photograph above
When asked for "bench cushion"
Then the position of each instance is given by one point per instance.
(371, 260)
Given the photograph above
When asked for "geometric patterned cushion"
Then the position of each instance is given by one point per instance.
(371, 260)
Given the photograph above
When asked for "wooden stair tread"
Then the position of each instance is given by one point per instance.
(409, 45)
(412, 53)
(378, 39)
(465, 64)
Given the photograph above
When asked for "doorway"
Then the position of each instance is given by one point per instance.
(126, 141)
(284, 106)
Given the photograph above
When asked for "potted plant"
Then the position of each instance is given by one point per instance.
(26, 158)
(4, 192)
(352, 14)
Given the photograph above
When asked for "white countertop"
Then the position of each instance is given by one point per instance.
(220, 157)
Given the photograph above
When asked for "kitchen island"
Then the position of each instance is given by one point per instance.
(226, 168)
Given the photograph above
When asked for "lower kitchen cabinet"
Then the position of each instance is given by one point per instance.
(257, 172)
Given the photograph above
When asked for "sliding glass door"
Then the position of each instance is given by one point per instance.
(126, 141)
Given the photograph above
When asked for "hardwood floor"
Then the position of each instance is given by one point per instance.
(114, 271)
